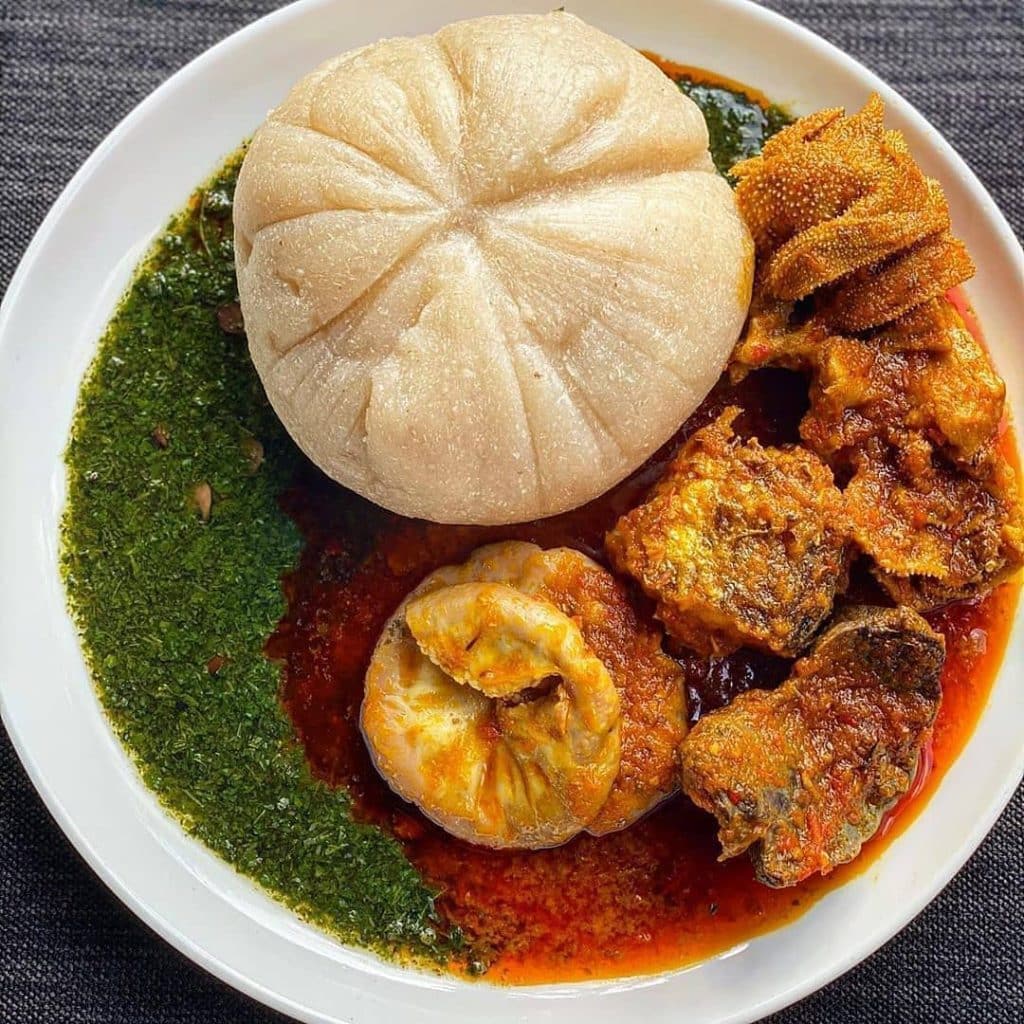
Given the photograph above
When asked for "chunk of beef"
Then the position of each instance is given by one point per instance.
(925, 373)
(934, 533)
(738, 544)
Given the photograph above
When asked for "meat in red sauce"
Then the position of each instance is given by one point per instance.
(650, 897)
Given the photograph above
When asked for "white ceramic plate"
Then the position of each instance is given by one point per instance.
(52, 315)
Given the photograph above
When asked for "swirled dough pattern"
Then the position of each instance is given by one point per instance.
(486, 273)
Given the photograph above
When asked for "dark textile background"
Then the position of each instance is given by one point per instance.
(69, 952)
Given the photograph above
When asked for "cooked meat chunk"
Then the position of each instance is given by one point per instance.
(956, 396)
(912, 413)
(518, 698)
(926, 373)
(859, 391)
(738, 544)
(935, 533)
(774, 336)
(801, 775)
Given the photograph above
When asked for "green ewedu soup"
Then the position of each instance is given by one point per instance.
(737, 126)
(173, 550)
(174, 610)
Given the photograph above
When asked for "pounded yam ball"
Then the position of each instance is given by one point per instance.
(486, 273)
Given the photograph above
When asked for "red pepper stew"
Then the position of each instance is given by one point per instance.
(653, 896)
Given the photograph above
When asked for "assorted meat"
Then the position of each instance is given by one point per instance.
(747, 545)
(923, 374)
(911, 415)
(524, 697)
(855, 259)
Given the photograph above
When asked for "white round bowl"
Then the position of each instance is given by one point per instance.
(51, 318)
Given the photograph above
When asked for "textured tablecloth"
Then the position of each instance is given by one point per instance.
(69, 952)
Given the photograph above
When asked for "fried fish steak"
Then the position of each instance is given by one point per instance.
(738, 544)
(801, 775)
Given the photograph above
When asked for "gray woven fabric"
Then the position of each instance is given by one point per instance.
(69, 952)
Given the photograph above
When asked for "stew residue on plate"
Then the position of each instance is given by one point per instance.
(175, 538)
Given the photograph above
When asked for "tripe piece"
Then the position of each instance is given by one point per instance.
(650, 684)
(840, 199)
(517, 700)
(850, 235)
